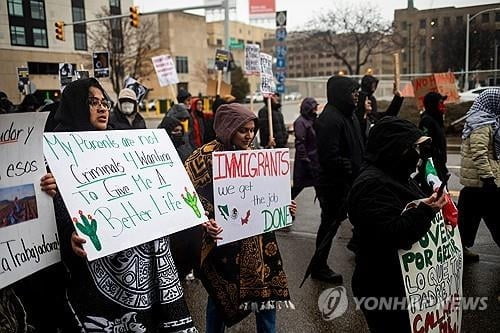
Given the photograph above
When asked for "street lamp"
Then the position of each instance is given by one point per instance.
(470, 18)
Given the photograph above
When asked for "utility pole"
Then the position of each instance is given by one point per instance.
(227, 41)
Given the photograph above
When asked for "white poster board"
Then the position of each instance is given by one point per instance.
(122, 188)
(165, 70)
(252, 59)
(28, 235)
(251, 192)
(432, 275)
(267, 85)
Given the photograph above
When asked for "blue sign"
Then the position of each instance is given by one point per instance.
(281, 51)
(281, 34)
(280, 77)
(280, 88)
(280, 62)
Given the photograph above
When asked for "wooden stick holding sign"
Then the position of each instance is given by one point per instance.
(172, 91)
(251, 101)
(219, 81)
(397, 71)
(271, 143)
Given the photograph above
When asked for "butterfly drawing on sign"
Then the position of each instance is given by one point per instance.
(244, 220)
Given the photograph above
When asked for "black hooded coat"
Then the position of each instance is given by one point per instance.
(339, 142)
(375, 204)
(371, 118)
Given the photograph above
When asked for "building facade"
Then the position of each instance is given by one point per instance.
(418, 29)
(28, 38)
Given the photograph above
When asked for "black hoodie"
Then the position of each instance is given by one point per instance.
(375, 204)
(339, 141)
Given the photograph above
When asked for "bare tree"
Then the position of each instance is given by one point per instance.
(351, 34)
(129, 47)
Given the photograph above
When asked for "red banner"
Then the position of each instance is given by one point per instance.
(259, 8)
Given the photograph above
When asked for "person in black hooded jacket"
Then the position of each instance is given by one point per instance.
(367, 109)
(340, 152)
(375, 204)
(432, 124)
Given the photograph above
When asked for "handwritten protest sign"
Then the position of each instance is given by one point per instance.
(165, 70)
(432, 275)
(28, 235)
(443, 83)
(122, 188)
(251, 192)
(252, 59)
(267, 85)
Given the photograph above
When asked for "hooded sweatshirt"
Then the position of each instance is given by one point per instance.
(375, 204)
(338, 137)
(228, 119)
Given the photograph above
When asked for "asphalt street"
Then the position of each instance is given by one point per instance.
(297, 246)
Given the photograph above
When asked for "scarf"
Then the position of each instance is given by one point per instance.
(485, 111)
(242, 276)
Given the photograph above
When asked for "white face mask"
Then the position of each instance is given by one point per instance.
(127, 107)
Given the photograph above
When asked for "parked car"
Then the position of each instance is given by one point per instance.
(293, 96)
(257, 97)
(470, 95)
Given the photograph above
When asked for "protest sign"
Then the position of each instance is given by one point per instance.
(267, 85)
(28, 235)
(252, 59)
(65, 74)
(122, 188)
(165, 70)
(221, 59)
(251, 192)
(432, 276)
(139, 89)
(443, 83)
(101, 64)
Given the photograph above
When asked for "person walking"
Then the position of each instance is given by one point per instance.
(125, 114)
(280, 132)
(243, 276)
(340, 153)
(376, 206)
(480, 170)
(96, 306)
(306, 164)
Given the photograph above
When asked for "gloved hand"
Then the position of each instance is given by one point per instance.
(489, 184)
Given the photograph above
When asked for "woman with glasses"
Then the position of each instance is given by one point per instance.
(135, 290)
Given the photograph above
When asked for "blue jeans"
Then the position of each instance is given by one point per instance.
(265, 320)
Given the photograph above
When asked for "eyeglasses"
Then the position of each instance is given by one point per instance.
(95, 102)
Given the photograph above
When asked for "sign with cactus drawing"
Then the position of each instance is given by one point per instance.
(122, 188)
(28, 235)
(251, 192)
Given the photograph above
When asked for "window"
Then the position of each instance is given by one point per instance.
(423, 23)
(321, 64)
(241, 41)
(181, 64)
(219, 42)
(80, 30)
(459, 19)
(328, 64)
(497, 17)
(37, 11)
(329, 73)
(17, 35)
(446, 21)
(80, 40)
(114, 3)
(485, 17)
(404, 25)
(249, 42)
(39, 37)
(16, 7)
(434, 22)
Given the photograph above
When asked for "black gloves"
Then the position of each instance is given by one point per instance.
(489, 184)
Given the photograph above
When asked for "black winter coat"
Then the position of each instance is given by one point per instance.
(279, 129)
(118, 121)
(432, 125)
(306, 164)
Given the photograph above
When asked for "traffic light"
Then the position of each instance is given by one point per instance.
(60, 30)
(134, 16)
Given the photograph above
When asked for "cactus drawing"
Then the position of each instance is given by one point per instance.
(88, 228)
(191, 200)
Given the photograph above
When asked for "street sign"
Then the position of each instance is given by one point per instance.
(280, 77)
(280, 88)
(281, 34)
(281, 51)
(281, 18)
(280, 62)
(235, 44)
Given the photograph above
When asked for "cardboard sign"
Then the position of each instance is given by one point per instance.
(139, 89)
(267, 85)
(432, 275)
(66, 72)
(122, 188)
(252, 59)
(251, 192)
(28, 235)
(101, 64)
(221, 59)
(165, 70)
(443, 83)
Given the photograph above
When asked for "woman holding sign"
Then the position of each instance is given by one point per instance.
(246, 275)
(125, 291)
(378, 209)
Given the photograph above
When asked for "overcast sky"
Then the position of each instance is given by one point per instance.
(301, 11)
